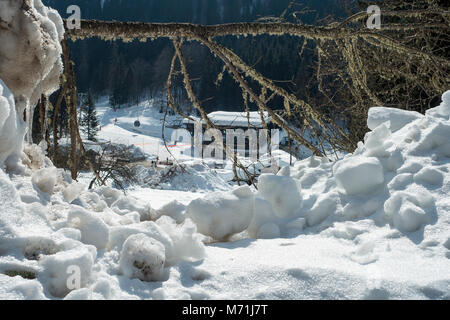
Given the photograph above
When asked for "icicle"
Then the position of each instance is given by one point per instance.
(29, 112)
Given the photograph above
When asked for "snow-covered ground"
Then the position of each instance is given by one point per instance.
(374, 225)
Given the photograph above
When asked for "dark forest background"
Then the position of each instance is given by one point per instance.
(131, 72)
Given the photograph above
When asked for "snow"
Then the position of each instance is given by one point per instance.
(373, 225)
(317, 230)
(45, 179)
(93, 230)
(359, 175)
(12, 129)
(236, 119)
(281, 192)
(143, 258)
(31, 64)
(220, 215)
(397, 118)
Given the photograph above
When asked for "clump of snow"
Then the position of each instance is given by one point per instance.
(125, 205)
(187, 243)
(397, 118)
(119, 234)
(359, 175)
(173, 209)
(263, 214)
(93, 230)
(220, 215)
(429, 175)
(442, 111)
(281, 192)
(142, 258)
(386, 179)
(58, 269)
(73, 191)
(45, 179)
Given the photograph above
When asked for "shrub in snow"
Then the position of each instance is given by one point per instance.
(220, 215)
(57, 269)
(142, 258)
(93, 230)
(397, 118)
(282, 193)
(359, 174)
(12, 129)
(45, 179)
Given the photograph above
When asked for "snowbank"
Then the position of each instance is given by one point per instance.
(386, 179)
(220, 215)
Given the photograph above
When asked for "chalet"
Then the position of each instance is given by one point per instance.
(224, 121)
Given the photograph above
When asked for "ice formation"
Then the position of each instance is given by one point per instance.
(30, 65)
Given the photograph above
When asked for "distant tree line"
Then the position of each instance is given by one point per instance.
(131, 72)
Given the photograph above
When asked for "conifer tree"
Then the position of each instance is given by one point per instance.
(89, 120)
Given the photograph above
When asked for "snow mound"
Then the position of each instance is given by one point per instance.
(173, 209)
(281, 192)
(93, 230)
(387, 179)
(220, 215)
(58, 267)
(397, 118)
(187, 243)
(359, 175)
(45, 179)
(142, 258)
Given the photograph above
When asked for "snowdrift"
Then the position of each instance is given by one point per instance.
(391, 178)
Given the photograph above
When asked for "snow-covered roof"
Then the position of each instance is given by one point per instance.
(235, 119)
